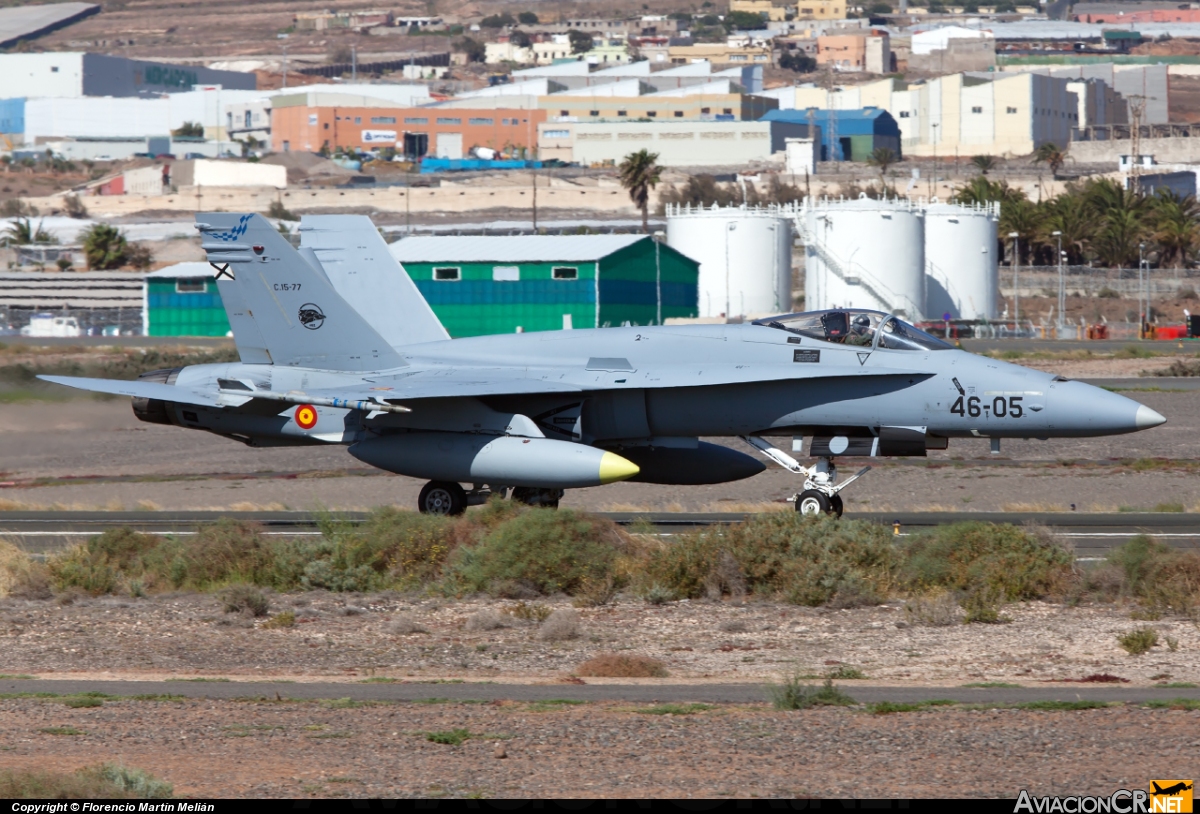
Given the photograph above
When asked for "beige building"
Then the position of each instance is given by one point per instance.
(867, 50)
(718, 54)
(963, 114)
(716, 101)
(681, 144)
(766, 8)
(821, 10)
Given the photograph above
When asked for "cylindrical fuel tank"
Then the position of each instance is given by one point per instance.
(497, 460)
(745, 257)
(961, 260)
(705, 463)
(865, 253)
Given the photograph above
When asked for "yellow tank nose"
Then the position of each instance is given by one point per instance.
(614, 468)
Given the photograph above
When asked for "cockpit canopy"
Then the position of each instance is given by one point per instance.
(856, 326)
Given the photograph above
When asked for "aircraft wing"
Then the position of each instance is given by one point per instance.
(451, 382)
(145, 390)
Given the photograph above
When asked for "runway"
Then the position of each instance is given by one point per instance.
(1092, 534)
(748, 693)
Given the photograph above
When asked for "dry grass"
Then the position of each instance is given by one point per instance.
(559, 626)
(403, 625)
(1035, 507)
(7, 505)
(643, 507)
(246, 506)
(147, 506)
(484, 620)
(20, 576)
(743, 507)
(620, 665)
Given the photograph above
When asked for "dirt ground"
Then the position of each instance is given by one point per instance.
(353, 636)
(232, 749)
(87, 454)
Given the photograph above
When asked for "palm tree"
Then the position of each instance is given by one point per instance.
(105, 247)
(21, 232)
(1068, 214)
(1175, 226)
(984, 163)
(980, 190)
(1023, 217)
(640, 173)
(1050, 155)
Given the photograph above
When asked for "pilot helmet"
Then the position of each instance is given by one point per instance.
(861, 324)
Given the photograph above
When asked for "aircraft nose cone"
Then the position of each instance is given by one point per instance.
(614, 468)
(1147, 418)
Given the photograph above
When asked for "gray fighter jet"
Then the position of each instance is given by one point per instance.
(338, 347)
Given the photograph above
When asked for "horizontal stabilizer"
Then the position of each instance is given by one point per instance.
(145, 390)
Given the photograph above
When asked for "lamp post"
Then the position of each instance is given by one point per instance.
(933, 178)
(658, 238)
(729, 232)
(1016, 239)
(1062, 290)
(1143, 295)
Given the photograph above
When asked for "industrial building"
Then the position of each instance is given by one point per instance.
(161, 179)
(846, 135)
(308, 122)
(1146, 84)
(130, 118)
(75, 74)
(678, 144)
(490, 285)
(97, 299)
(720, 100)
(971, 114)
(182, 300)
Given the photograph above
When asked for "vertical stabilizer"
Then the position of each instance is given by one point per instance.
(300, 317)
(355, 257)
(251, 346)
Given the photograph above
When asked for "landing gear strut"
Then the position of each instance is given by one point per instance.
(821, 489)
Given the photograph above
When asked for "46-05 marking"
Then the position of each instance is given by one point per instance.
(1000, 406)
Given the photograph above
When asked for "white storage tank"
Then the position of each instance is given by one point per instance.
(745, 257)
(864, 253)
(961, 261)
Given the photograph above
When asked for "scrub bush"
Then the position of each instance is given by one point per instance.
(550, 550)
(807, 561)
(998, 563)
(1157, 576)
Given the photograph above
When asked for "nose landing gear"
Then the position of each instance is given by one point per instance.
(821, 489)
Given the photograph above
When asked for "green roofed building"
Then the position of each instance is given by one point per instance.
(182, 300)
(492, 285)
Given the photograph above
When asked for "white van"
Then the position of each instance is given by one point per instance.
(44, 325)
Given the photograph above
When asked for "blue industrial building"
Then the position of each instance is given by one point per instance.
(12, 116)
(858, 133)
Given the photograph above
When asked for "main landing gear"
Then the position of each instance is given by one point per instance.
(821, 489)
(449, 498)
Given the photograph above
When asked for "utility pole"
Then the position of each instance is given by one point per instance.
(1137, 105)
(1143, 292)
(534, 201)
(353, 63)
(1016, 239)
(1062, 288)
(933, 178)
(285, 65)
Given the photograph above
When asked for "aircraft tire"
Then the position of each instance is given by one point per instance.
(442, 497)
(835, 503)
(810, 503)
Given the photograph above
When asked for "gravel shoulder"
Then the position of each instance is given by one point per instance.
(354, 637)
(271, 749)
